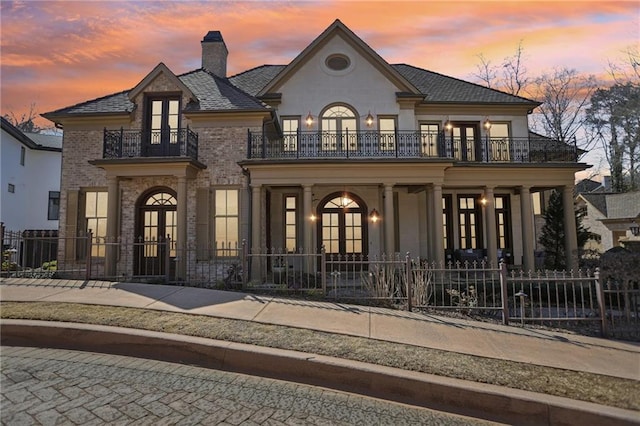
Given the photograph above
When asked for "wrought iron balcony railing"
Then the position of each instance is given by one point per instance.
(407, 145)
(124, 143)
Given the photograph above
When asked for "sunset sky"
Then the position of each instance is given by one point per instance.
(58, 53)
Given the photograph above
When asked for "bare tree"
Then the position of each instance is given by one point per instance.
(514, 73)
(510, 76)
(627, 70)
(614, 115)
(485, 71)
(565, 95)
(25, 122)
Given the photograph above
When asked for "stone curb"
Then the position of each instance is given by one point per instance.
(441, 393)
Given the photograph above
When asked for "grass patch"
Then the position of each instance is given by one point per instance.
(600, 389)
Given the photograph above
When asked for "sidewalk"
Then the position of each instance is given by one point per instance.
(516, 343)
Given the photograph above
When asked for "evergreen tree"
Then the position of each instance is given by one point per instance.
(552, 236)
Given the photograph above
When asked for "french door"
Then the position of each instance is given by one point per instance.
(464, 138)
(342, 227)
(339, 129)
(163, 124)
(157, 225)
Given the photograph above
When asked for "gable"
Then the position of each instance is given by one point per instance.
(161, 79)
(330, 35)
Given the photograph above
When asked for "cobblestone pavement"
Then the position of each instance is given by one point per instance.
(53, 387)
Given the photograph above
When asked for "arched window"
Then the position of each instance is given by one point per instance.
(339, 126)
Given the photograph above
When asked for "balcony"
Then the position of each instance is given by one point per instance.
(407, 145)
(125, 143)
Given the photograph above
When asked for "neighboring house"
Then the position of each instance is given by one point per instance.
(31, 164)
(611, 216)
(337, 149)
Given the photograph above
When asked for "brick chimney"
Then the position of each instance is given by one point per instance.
(214, 54)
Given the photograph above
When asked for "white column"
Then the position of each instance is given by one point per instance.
(570, 233)
(438, 231)
(389, 220)
(181, 231)
(113, 201)
(490, 226)
(528, 237)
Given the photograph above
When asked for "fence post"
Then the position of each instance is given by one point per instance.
(167, 259)
(409, 282)
(323, 270)
(244, 264)
(601, 303)
(504, 293)
(87, 274)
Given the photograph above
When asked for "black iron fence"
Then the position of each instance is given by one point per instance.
(406, 144)
(545, 297)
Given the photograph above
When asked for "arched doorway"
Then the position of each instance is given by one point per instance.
(342, 226)
(156, 221)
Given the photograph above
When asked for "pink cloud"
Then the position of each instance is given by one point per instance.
(61, 53)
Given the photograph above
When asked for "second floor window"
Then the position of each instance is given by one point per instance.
(163, 126)
(499, 144)
(54, 205)
(387, 129)
(339, 129)
(429, 133)
(290, 128)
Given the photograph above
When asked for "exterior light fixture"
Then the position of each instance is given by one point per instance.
(374, 216)
(483, 201)
(448, 125)
(313, 218)
(309, 120)
(635, 229)
(344, 201)
(486, 123)
(369, 119)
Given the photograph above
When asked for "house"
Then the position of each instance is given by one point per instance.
(336, 149)
(610, 215)
(31, 165)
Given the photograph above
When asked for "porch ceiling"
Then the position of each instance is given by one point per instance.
(347, 173)
(534, 176)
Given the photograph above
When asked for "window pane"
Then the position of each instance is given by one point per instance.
(101, 208)
(499, 130)
(90, 204)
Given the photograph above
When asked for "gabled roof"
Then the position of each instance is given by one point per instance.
(253, 81)
(437, 88)
(161, 69)
(440, 88)
(213, 94)
(335, 29)
(37, 141)
(241, 92)
(625, 205)
(587, 186)
(217, 94)
(598, 201)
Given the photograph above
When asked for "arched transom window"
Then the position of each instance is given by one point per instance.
(339, 127)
